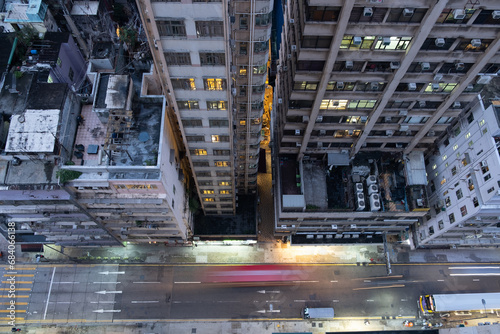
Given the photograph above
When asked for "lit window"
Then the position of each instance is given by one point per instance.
(333, 104)
(443, 181)
(215, 138)
(199, 151)
(395, 43)
(471, 143)
(447, 200)
(445, 157)
(463, 210)
(243, 122)
(224, 183)
(243, 71)
(209, 199)
(214, 84)
(481, 122)
(485, 130)
(434, 166)
(467, 136)
(225, 192)
(222, 163)
(455, 147)
(207, 192)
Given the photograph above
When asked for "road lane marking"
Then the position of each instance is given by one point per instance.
(112, 272)
(440, 280)
(106, 311)
(66, 282)
(475, 280)
(477, 274)
(21, 268)
(187, 282)
(17, 289)
(370, 300)
(334, 281)
(19, 275)
(300, 300)
(104, 302)
(335, 300)
(464, 268)
(18, 282)
(17, 296)
(106, 282)
(105, 292)
(17, 303)
(17, 319)
(17, 311)
(50, 290)
(305, 281)
(146, 282)
(382, 287)
(366, 281)
(144, 301)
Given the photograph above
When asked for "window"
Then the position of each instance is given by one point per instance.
(198, 151)
(192, 123)
(471, 184)
(443, 181)
(201, 164)
(459, 194)
(195, 138)
(305, 85)
(333, 104)
(225, 192)
(222, 164)
(178, 58)
(205, 183)
(454, 170)
(487, 177)
(214, 84)
(171, 28)
(210, 28)
(475, 202)
(451, 216)
(221, 152)
(316, 42)
(463, 210)
(218, 123)
(262, 20)
(492, 189)
(223, 173)
(322, 13)
(166, 1)
(242, 71)
(260, 69)
(212, 58)
(199, 1)
(243, 48)
(467, 136)
(203, 174)
(209, 199)
(444, 157)
(396, 43)
(207, 192)
(310, 65)
(351, 43)
(484, 167)
(191, 105)
(481, 122)
(361, 104)
(216, 105)
(224, 183)
(59, 62)
(447, 200)
(260, 47)
(186, 84)
(71, 74)
(431, 230)
(464, 162)
(440, 224)
(244, 22)
(442, 87)
(448, 16)
(455, 147)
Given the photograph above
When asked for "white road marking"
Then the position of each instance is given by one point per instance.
(50, 290)
(335, 300)
(305, 281)
(300, 300)
(334, 281)
(66, 282)
(104, 292)
(106, 282)
(104, 302)
(463, 268)
(366, 281)
(106, 311)
(475, 280)
(146, 282)
(440, 280)
(144, 301)
(112, 272)
(187, 282)
(370, 300)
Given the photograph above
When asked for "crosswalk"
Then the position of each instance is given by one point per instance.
(16, 287)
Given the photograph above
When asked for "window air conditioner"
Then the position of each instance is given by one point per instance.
(368, 11)
(389, 133)
(374, 85)
(425, 66)
(408, 12)
(476, 42)
(280, 101)
(340, 85)
(403, 128)
(431, 133)
(403, 112)
(484, 79)
(334, 226)
(357, 40)
(457, 104)
(294, 47)
(292, 21)
(412, 86)
(459, 66)
(386, 40)
(305, 119)
(298, 144)
(395, 65)
(319, 119)
(297, 132)
(439, 42)
(438, 77)
(469, 88)
(459, 14)
(388, 119)
(421, 104)
(289, 56)
(349, 64)
(435, 86)
(496, 14)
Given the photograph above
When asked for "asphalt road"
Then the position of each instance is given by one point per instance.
(95, 293)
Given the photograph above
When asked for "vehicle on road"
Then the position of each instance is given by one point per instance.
(256, 274)
(459, 302)
(318, 313)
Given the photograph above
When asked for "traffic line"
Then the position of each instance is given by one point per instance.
(187, 282)
(382, 287)
(17, 311)
(18, 282)
(17, 296)
(21, 268)
(17, 319)
(17, 303)
(146, 282)
(66, 282)
(144, 301)
(19, 275)
(48, 296)
(17, 289)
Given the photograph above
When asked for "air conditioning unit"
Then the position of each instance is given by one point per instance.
(374, 202)
(438, 77)
(349, 64)
(403, 112)
(476, 42)
(395, 65)
(357, 40)
(340, 84)
(439, 42)
(412, 86)
(403, 128)
(294, 47)
(322, 132)
(359, 188)
(234, 91)
(368, 11)
(399, 145)
(469, 88)
(425, 66)
(408, 12)
(389, 133)
(484, 79)
(421, 104)
(374, 86)
(319, 119)
(360, 203)
(496, 14)
(459, 14)
(371, 180)
(280, 101)
(459, 66)
(289, 56)
(431, 133)
(363, 119)
(285, 68)
(435, 87)
(373, 189)
(305, 119)
(292, 21)
(353, 225)
(484, 163)
(334, 227)
(297, 132)
(457, 104)
(388, 119)
(298, 144)
(386, 40)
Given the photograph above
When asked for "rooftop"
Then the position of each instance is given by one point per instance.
(85, 8)
(47, 96)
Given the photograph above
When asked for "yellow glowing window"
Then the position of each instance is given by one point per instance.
(215, 138)
(467, 136)
(445, 157)
(225, 192)
(334, 104)
(243, 71)
(141, 186)
(443, 181)
(243, 123)
(455, 147)
(200, 151)
(209, 199)
(224, 183)
(434, 166)
(221, 163)
(207, 192)
(215, 84)
(481, 122)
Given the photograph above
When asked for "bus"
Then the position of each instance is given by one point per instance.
(459, 302)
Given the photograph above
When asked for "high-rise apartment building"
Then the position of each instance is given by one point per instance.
(212, 58)
(364, 89)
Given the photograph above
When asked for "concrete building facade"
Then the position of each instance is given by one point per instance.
(364, 88)
(212, 58)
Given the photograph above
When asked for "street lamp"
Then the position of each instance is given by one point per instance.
(484, 305)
